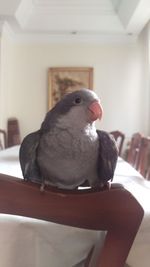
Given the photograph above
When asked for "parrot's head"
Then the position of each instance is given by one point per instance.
(81, 106)
(84, 100)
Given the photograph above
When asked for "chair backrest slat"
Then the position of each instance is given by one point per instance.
(119, 137)
(13, 131)
(134, 148)
(3, 139)
(144, 156)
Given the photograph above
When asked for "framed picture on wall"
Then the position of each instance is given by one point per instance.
(63, 80)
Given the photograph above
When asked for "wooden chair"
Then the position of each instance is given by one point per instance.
(148, 172)
(13, 131)
(144, 157)
(114, 210)
(119, 137)
(133, 150)
(3, 139)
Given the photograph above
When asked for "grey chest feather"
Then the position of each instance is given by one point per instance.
(69, 157)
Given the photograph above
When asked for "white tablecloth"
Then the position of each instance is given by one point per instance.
(139, 255)
(26, 242)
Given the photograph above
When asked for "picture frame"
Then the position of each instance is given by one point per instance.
(63, 80)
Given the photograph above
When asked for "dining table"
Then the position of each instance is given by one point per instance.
(28, 242)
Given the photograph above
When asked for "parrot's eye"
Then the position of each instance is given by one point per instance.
(77, 100)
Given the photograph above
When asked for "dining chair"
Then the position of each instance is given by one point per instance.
(13, 132)
(114, 210)
(133, 150)
(3, 139)
(148, 171)
(144, 157)
(119, 137)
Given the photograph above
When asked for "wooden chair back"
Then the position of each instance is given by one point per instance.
(119, 137)
(148, 172)
(3, 139)
(133, 150)
(111, 210)
(143, 164)
(13, 131)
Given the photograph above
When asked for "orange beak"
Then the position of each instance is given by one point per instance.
(96, 111)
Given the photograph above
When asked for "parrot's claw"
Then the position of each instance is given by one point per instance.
(103, 186)
(108, 185)
(42, 187)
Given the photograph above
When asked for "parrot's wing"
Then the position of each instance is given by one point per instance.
(108, 154)
(28, 157)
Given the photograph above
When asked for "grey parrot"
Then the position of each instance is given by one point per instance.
(67, 151)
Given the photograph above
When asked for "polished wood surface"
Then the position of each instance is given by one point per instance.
(114, 210)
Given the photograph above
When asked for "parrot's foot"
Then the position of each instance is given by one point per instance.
(108, 185)
(42, 187)
(103, 186)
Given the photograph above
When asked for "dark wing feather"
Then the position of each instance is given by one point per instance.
(28, 157)
(108, 154)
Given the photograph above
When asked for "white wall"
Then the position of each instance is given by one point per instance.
(119, 80)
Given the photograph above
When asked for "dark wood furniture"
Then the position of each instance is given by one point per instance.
(119, 137)
(134, 149)
(114, 210)
(143, 164)
(13, 132)
(148, 172)
(3, 139)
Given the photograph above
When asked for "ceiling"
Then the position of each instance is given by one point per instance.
(74, 20)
